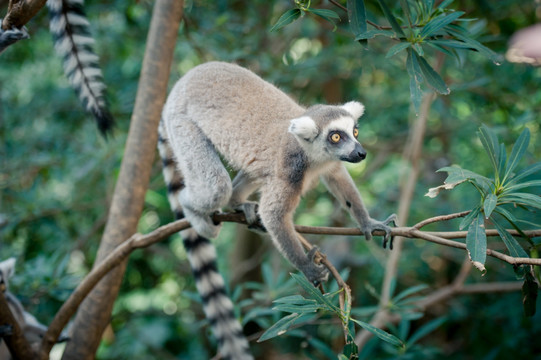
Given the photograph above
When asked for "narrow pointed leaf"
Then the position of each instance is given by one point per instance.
(370, 34)
(314, 292)
(524, 185)
(383, 335)
(433, 79)
(397, 48)
(490, 143)
(451, 43)
(326, 14)
(502, 160)
(287, 18)
(425, 330)
(279, 328)
(391, 19)
(469, 218)
(532, 169)
(357, 18)
(518, 151)
(409, 291)
(514, 248)
(439, 22)
(415, 83)
(490, 203)
(476, 242)
(444, 4)
(463, 35)
(524, 199)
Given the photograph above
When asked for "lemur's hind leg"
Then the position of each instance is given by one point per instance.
(207, 186)
(243, 187)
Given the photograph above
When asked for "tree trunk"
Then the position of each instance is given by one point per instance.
(127, 204)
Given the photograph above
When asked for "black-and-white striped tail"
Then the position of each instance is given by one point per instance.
(202, 256)
(73, 42)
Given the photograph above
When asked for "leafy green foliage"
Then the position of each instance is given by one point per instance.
(495, 193)
(57, 177)
(427, 25)
(302, 309)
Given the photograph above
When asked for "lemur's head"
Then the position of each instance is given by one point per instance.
(329, 132)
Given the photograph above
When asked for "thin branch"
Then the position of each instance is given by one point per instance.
(440, 218)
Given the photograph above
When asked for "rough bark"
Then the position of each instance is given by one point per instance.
(127, 204)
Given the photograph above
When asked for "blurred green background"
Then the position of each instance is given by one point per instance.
(57, 176)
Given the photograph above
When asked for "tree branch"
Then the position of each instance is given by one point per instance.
(136, 241)
(16, 341)
(20, 12)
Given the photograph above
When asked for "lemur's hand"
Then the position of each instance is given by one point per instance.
(315, 273)
(374, 225)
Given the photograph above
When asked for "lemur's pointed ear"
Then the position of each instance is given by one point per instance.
(304, 127)
(355, 108)
(7, 268)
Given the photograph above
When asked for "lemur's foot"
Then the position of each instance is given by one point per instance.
(315, 273)
(374, 225)
(250, 212)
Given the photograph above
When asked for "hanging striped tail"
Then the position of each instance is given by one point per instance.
(202, 257)
(73, 42)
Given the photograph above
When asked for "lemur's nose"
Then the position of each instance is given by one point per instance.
(362, 155)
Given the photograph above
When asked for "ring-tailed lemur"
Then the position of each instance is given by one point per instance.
(279, 149)
(32, 329)
(73, 42)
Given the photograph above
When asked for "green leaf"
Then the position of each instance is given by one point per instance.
(502, 159)
(370, 34)
(462, 34)
(326, 14)
(351, 350)
(444, 4)
(409, 291)
(397, 48)
(287, 18)
(523, 185)
(476, 242)
(529, 295)
(450, 43)
(490, 143)
(469, 218)
(524, 199)
(518, 151)
(439, 22)
(315, 293)
(298, 308)
(457, 174)
(514, 248)
(425, 330)
(294, 299)
(383, 335)
(279, 328)
(449, 52)
(433, 79)
(391, 19)
(490, 204)
(357, 17)
(415, 80)
(532, 169)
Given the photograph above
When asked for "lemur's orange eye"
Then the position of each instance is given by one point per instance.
(355, 132)
(335, 137)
